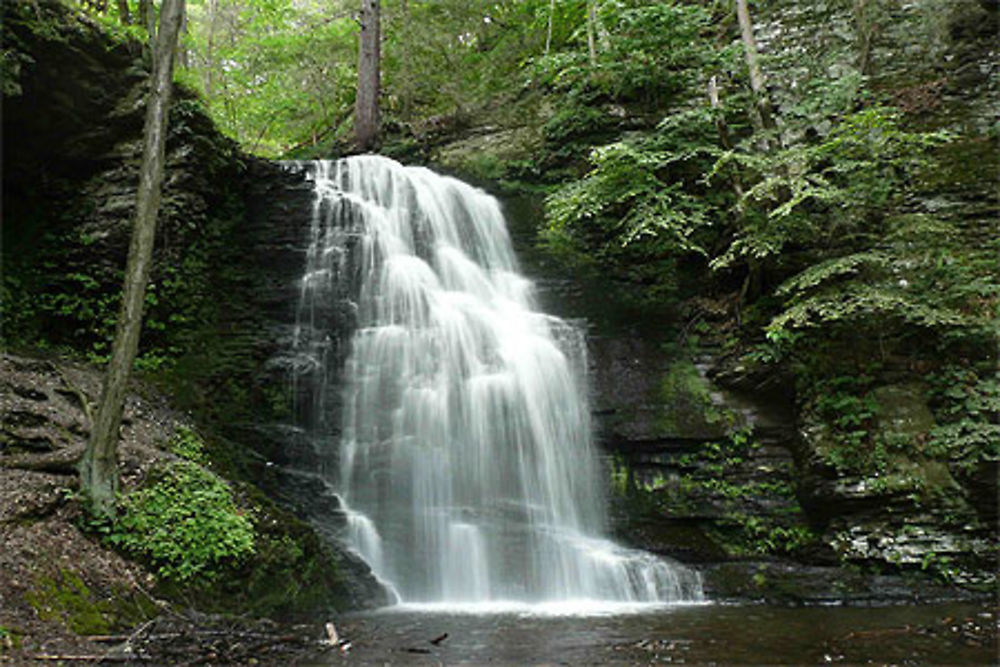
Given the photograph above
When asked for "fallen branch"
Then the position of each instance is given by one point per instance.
(90, 658)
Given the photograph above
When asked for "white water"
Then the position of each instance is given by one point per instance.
(466, 459)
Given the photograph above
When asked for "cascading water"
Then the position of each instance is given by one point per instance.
(465, 461)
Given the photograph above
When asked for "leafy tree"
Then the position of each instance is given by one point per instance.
(276, 75)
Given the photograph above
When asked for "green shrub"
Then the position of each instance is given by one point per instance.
(187, 445)
(185, 523)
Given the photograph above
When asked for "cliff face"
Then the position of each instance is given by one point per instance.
(224, 286)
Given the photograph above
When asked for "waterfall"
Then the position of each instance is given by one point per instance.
(464, 462)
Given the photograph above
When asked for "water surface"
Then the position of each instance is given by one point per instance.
(692, 634)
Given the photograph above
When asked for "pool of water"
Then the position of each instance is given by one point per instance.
(694, 634)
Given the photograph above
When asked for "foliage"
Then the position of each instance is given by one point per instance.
(185, 522)
(650, 53)
(630, 198)
(845, 404)
(967, 403)
(833, 190)
(275, 73)
(187, 445)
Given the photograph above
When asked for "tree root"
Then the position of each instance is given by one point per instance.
(62, 462)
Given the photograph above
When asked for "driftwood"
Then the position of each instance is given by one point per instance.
(89, 658)
(192, 639)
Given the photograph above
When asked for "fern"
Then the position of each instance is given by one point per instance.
(837, 267)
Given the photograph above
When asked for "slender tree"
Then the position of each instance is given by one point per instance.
(865, 28)
(369, 80)
(406, 65)
(764, 113)
(147, 16)
(548, 32)
(592, 31)
(123, 13)
(99, 468)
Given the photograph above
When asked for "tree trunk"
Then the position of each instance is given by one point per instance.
(407, 71)
(548, 33)
(98, 468)
(592, 31)
(183, 58)
(369, 56)
(725, 138)
(865, 28)
(765, 116)
(209, 79)
(147, 17)
(123, 13)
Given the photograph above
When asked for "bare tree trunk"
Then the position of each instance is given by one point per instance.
(183, 58)
(123, 13)
(369, 56)
(725, 139)
(407, 72)
(99, 468)
(765, 116)
(592, 31)
(147, 16)
(865, 28)
(213, 19)
(548, 34)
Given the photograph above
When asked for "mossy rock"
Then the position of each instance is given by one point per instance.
(903, 411)
(689, 408)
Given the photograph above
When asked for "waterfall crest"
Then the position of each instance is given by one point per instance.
(465, 456)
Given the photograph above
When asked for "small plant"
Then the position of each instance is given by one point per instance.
(185, 523)
(187, 445)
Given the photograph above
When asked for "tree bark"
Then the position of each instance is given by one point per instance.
(764, 113)
(98, 468)
(548, 33)
(592, 31)
(123, 13)
(210, 65)
(147, 16)
(725, 138)
(406, 65)
(366, 116)
(865, 28)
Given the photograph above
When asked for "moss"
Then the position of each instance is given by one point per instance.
(65, 597)
(686, 405)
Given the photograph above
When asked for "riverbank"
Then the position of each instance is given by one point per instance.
(67, 589)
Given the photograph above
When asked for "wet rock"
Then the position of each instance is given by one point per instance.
(784, 582)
